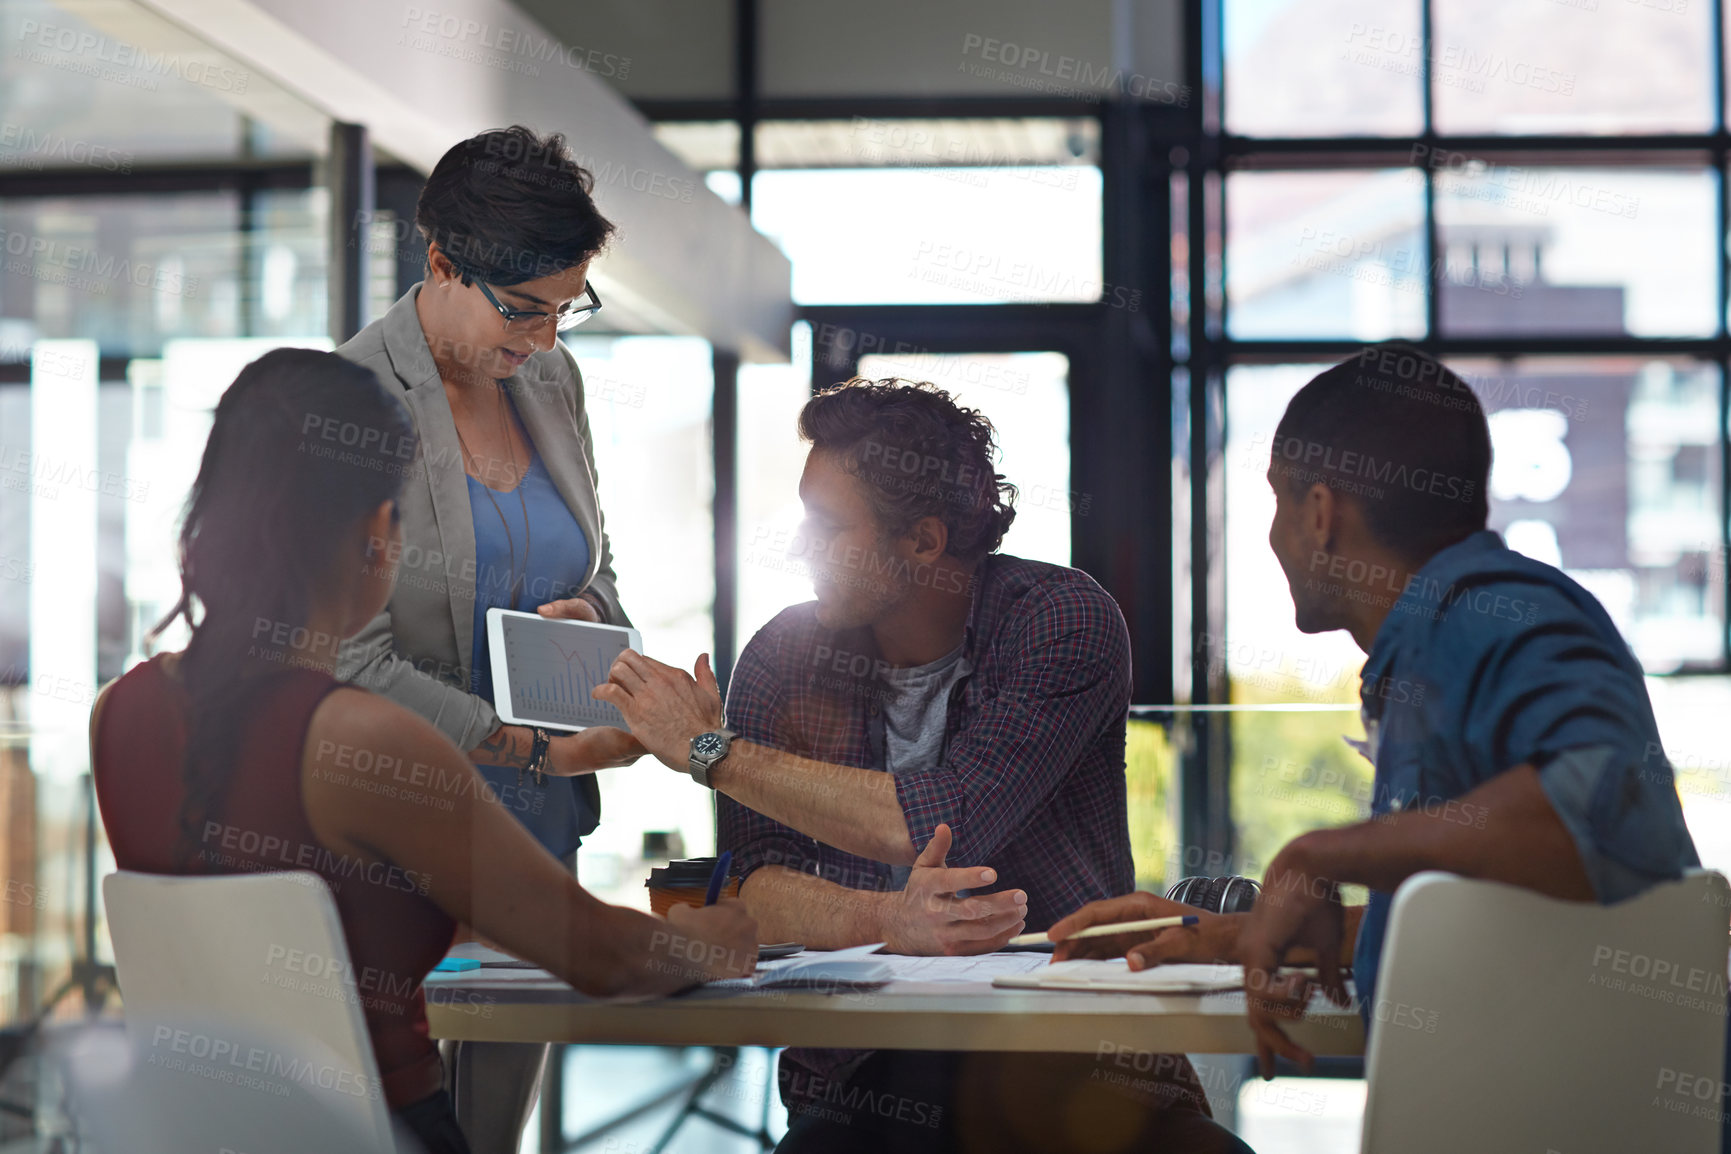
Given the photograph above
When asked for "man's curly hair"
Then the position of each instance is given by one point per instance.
(920, 455)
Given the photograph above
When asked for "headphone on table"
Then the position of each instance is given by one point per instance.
(1223, 895)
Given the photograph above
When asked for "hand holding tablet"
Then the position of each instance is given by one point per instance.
(570, 609)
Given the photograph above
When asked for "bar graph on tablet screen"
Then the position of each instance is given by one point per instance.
(553, 668)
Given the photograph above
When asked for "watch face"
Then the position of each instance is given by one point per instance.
(707, 744)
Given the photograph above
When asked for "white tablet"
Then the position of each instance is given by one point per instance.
(544, 668)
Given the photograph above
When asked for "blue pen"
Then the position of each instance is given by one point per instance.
(718, 878)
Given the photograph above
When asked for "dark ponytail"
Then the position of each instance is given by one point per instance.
(304, 445)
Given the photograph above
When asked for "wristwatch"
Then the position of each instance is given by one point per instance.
(706, 750)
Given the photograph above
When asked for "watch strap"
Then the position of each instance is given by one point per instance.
(538, 754)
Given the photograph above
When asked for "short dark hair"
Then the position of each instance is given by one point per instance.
(920, 455)
(1400, 433)
(508, 206)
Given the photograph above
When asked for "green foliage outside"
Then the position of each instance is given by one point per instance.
(1292, 773)
(1149, 772)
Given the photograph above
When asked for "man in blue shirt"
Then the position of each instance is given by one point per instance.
(1508, 721)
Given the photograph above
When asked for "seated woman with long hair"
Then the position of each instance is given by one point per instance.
(243, 753)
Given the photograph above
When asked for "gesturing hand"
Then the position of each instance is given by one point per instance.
(664, 706)
(928, 917)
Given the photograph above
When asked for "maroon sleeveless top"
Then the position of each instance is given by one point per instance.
(395, 933)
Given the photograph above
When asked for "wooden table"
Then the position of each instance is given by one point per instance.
(1126, 1032)
(478, 1006)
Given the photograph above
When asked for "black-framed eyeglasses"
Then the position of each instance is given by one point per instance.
(528, 320)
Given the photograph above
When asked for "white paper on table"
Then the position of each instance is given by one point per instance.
(980, 969)
(854, 966)
(857, 965)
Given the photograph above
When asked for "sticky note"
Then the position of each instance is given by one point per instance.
(456, 965)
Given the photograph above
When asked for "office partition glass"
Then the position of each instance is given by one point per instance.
(1322, 67)
(1026, 396)
(1573, 66)
(1325, 254)
(771, 460)
(649, 401)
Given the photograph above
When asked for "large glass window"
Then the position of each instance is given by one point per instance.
(284, 258)
(1152, 746)
(1526, 250)
(1608, 466)
(1026, 396)
(96, 98)
(1513, 260)
(649, 402)
(126, 272)
(1609, 469)
(771, 460)
(1691, 712)
(149, 302)
(1325, 254)
(1325, 68)
(1322, 67)
(877, 211)
(1585, 66)
(1263, 652)
(173, 399)
(1291, 771)
(1533, 250)
(867, 236)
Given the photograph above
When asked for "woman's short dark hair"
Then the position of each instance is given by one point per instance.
(1397, 431)
(920, 455)
(508, 206)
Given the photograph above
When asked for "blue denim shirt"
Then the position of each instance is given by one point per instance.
(555, 812)
(1490, 660)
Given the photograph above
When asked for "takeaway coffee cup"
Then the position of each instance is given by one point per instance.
(685, 882)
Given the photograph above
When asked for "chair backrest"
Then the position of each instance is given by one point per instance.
(1505, 1020)
(245, 981)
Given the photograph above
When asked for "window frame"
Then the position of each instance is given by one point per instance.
(1204, 352)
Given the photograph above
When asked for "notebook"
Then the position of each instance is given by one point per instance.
(1114, 976)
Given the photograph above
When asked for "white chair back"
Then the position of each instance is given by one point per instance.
(242, 1011)
(1505, 1020)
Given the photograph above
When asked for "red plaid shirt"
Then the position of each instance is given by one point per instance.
(1031, 777)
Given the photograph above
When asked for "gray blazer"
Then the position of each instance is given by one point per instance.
(418, 651)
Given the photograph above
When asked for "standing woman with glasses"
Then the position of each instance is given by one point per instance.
(501, 510)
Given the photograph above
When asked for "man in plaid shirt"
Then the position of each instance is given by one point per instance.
(931, 755)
